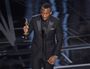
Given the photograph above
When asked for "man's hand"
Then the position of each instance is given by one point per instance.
(52, 59)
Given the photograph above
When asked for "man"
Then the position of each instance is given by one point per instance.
(47, 41)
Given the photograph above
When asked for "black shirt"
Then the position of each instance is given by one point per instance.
(44, 26)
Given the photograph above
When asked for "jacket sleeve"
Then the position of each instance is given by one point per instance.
(59, 38)
(31, 25)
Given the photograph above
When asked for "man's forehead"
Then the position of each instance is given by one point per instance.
(45, 9)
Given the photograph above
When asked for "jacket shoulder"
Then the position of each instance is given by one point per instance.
(36, 16)
(54, 18)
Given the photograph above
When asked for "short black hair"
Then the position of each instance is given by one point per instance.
(46, 5)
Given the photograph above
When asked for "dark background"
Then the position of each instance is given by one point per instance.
(78, 31)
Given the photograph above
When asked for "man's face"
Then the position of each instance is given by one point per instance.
(45, 13)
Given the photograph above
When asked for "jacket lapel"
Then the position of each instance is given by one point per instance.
(39, 25)
(50, 25)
